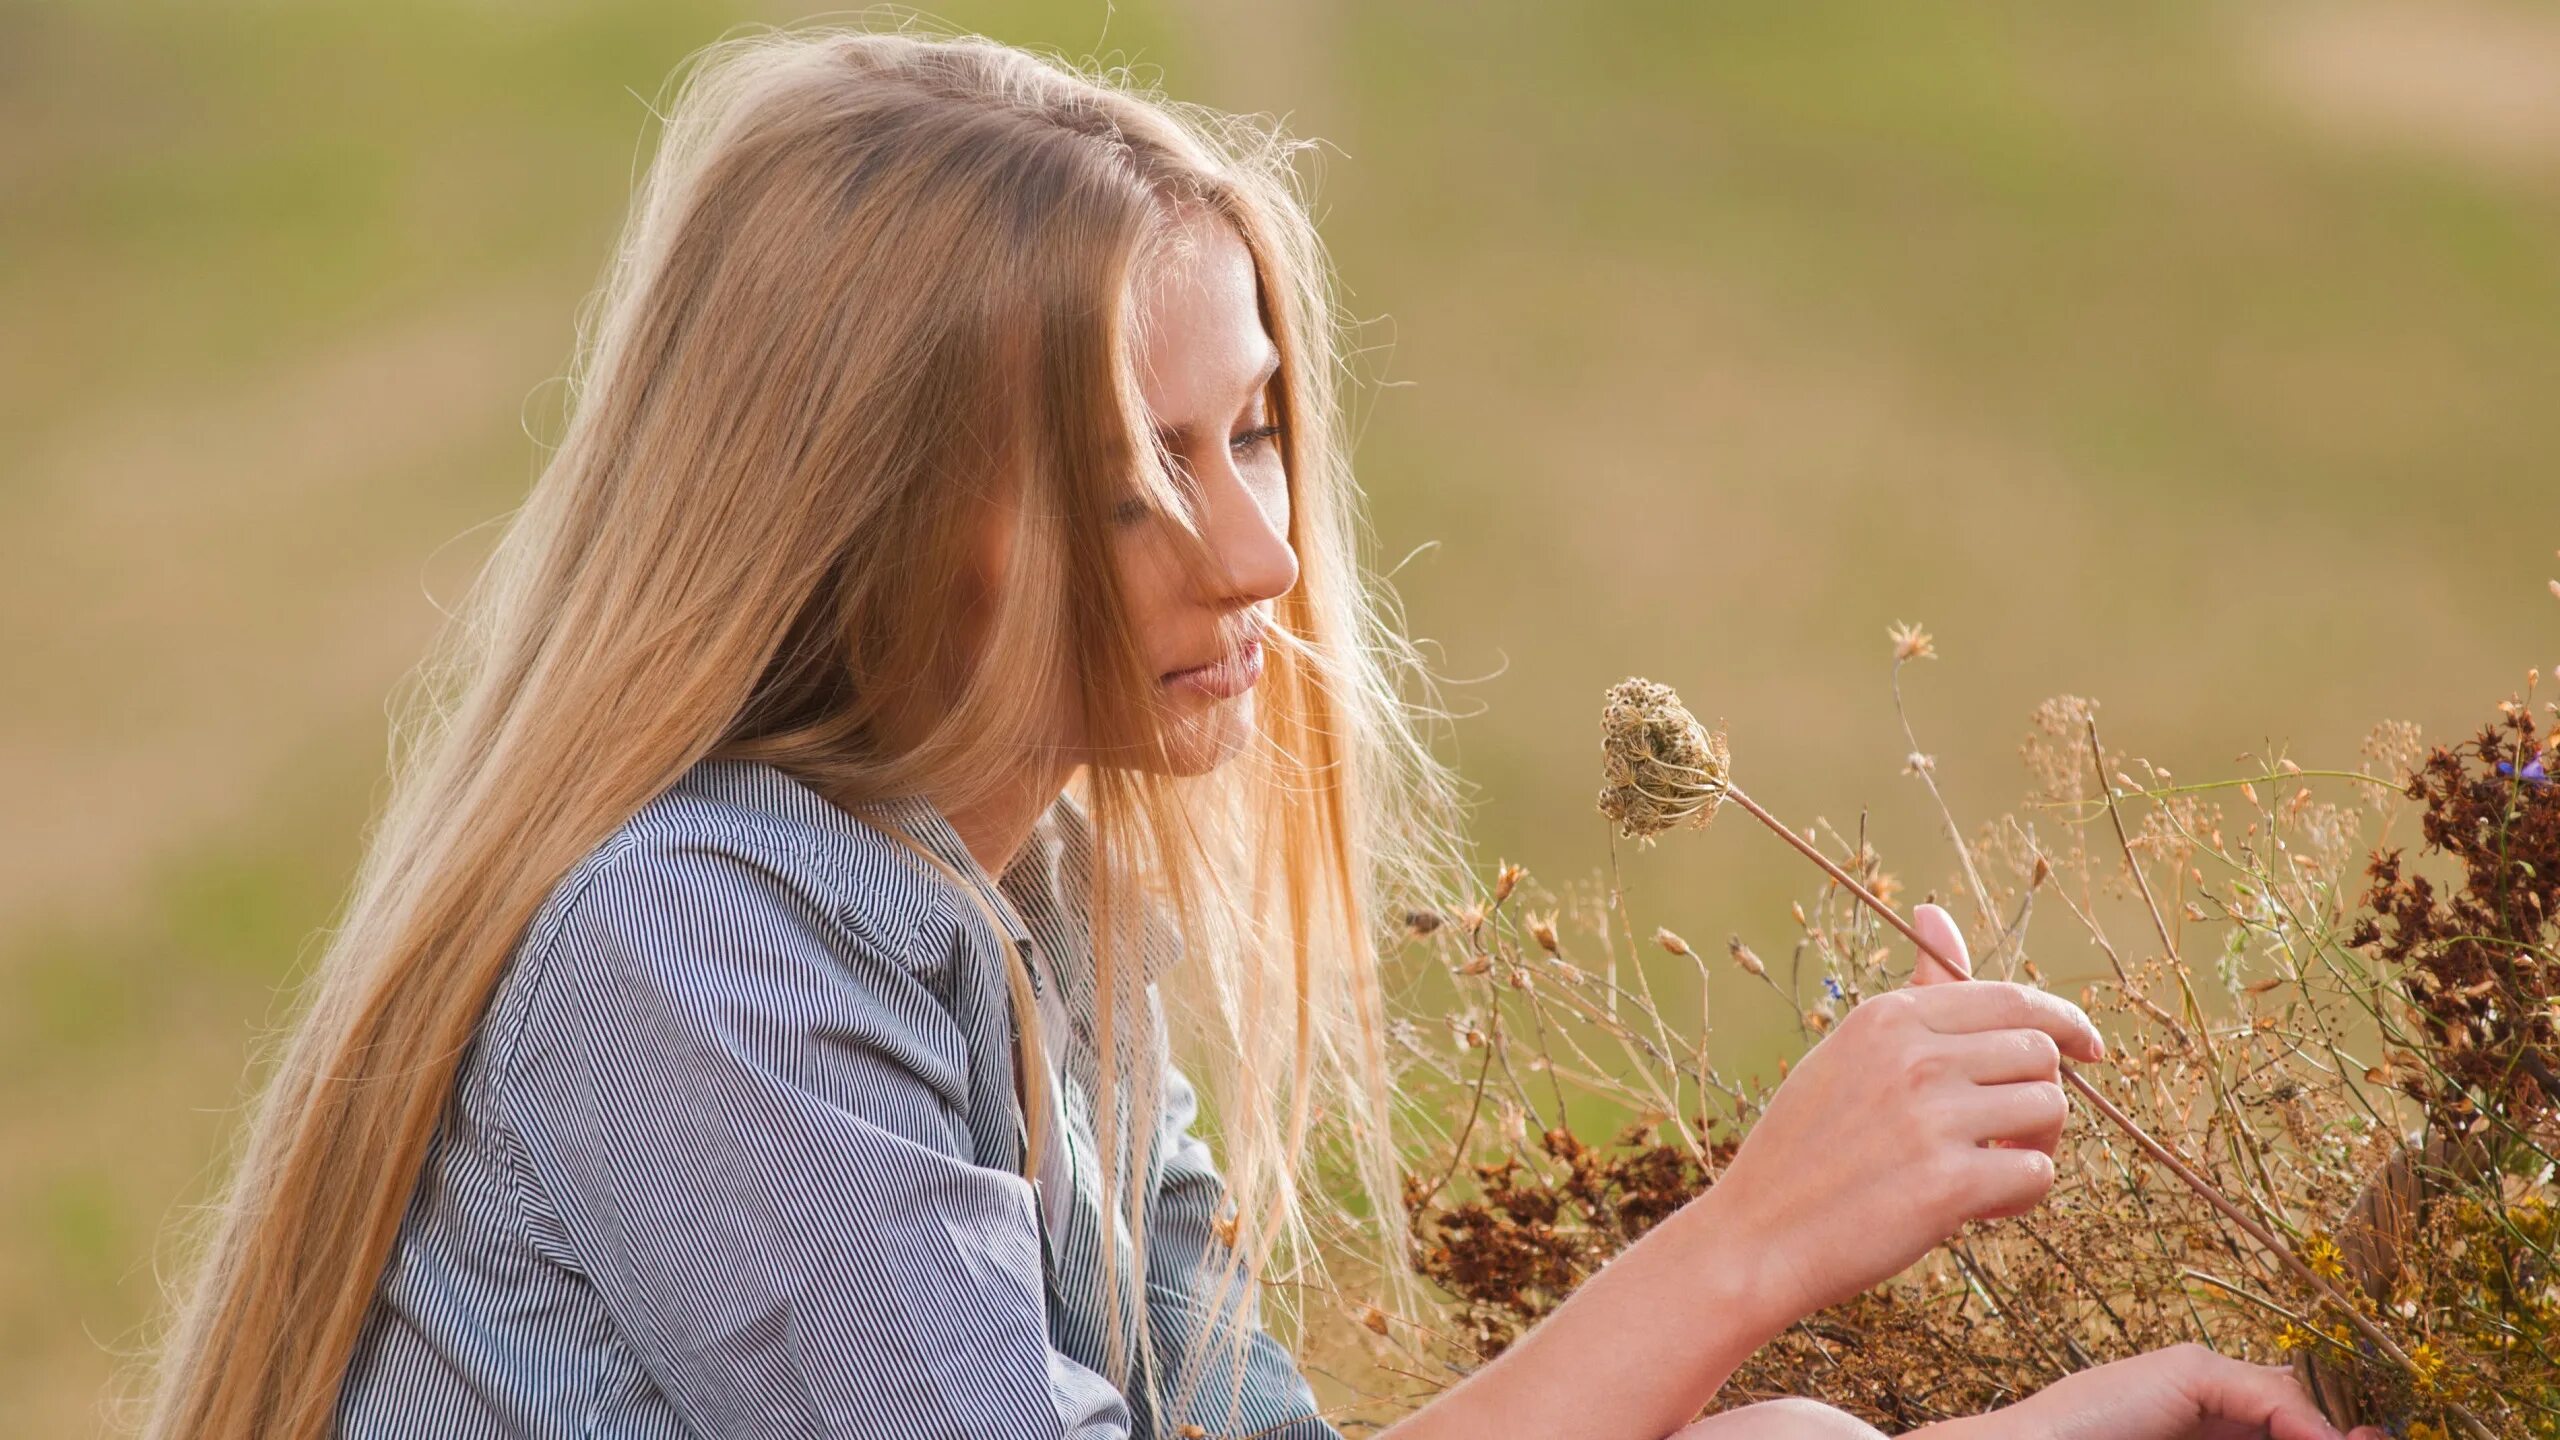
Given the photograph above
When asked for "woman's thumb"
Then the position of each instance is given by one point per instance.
(1939, 933)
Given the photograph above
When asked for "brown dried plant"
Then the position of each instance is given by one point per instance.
(2349, 1044)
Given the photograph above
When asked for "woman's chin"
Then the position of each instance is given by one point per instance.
(1209, 735)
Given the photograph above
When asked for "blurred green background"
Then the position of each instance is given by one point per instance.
(2200, 358)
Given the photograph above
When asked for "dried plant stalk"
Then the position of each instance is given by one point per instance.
(2413, 1281)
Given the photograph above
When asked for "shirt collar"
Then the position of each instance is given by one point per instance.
(921, 818)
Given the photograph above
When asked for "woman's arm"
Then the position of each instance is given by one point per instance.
(1869, 1155)
(1639, 1348)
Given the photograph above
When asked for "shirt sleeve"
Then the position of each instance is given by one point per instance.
(1196, 1309)
(743, 1126)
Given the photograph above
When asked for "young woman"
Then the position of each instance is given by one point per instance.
(932, 685)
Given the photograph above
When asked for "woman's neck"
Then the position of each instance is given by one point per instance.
(995, 828)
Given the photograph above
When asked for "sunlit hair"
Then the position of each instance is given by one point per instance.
(875, 283)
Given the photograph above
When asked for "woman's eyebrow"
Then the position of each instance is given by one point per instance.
(1270, 367)
(1172, 436)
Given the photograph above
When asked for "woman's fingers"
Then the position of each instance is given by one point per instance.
(2003, 1183)
(1943, 959)
(2185, 1391)
(2029, 1114)
(2005, 1057)
(1998, 1005)
(2266, 1395)
(2259, 1397)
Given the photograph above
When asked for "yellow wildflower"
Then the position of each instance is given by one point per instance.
(2426, 1365)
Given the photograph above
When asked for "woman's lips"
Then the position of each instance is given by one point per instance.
(1228, 678)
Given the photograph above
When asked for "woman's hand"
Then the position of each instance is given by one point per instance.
(2184, 1393)
(1924, 1108)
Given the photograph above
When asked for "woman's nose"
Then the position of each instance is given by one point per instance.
(1249, 538)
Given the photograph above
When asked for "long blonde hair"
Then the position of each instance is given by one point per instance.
(874, 281)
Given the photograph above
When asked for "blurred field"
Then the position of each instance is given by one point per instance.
(2196, 358)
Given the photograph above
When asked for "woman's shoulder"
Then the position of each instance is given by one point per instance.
(728, 952)
(736, 888)
(736, 834)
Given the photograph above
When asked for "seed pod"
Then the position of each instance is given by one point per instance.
(1659, 767)
(1542, 928)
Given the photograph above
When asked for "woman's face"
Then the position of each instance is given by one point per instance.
(1205, 366)
(1205, 370)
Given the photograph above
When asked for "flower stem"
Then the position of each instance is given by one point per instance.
(1734, 794)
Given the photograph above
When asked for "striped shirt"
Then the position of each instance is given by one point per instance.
(735, 1152)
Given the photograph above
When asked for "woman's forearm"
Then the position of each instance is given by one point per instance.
(1634, 1353)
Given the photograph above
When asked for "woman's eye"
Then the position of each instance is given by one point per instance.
(1259, 435)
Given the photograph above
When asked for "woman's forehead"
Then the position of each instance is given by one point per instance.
(1201, 346)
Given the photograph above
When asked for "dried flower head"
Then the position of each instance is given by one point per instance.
(1542, 928)
(1910, 642)
(1659, 766)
